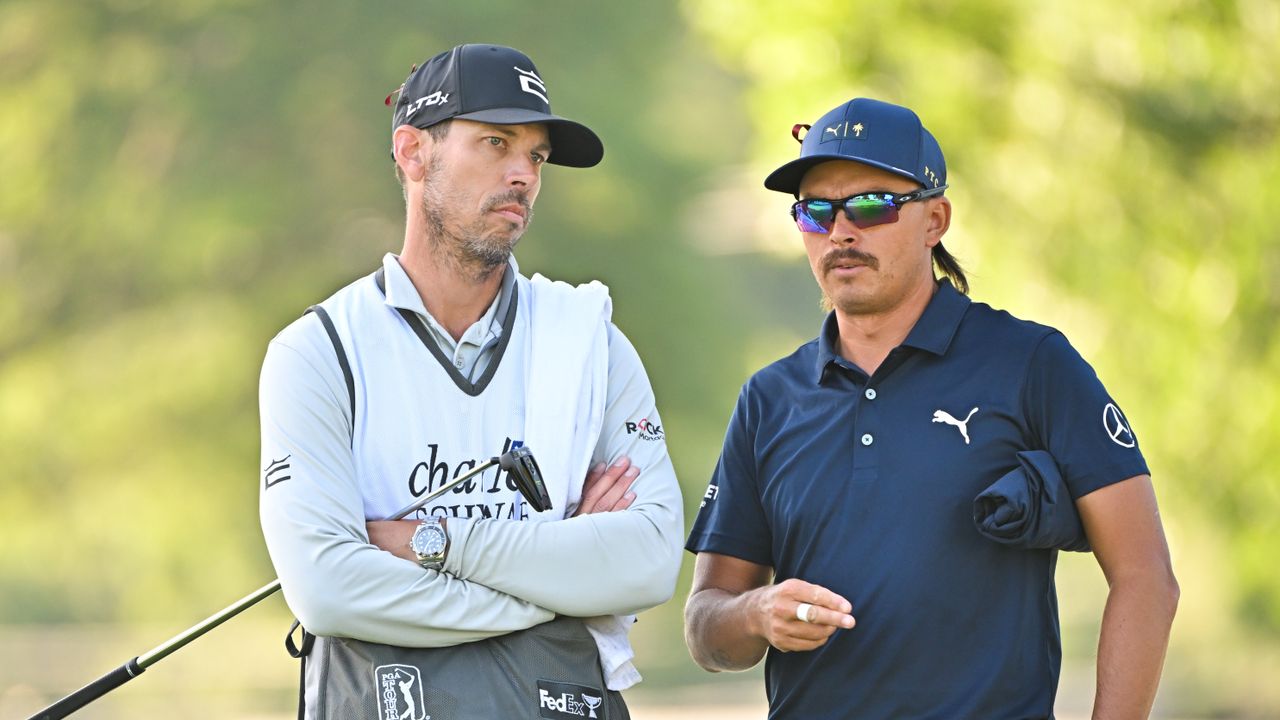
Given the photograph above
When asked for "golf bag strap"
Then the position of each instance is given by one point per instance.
(342, 360)
(300, 651)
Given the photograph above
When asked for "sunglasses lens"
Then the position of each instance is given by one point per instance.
(870, 210)
(814, 215)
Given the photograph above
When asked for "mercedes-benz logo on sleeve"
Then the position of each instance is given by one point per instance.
(1116, 426)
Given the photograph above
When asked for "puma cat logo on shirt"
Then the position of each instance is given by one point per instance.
(942, 416)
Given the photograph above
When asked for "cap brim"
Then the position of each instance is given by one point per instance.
(572, 144)
(787, 178)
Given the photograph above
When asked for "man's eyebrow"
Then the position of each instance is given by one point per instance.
(544, 146)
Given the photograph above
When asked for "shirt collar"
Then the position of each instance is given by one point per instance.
(401, 293)
(828, 340)
(933, 332)
(935, 329)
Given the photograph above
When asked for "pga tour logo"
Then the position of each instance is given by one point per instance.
(566, 701)
(399, 693)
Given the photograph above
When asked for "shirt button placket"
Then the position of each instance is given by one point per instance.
(866, 464)
(868, 438)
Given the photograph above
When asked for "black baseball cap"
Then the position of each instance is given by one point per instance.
(492, 84)
(872, 132)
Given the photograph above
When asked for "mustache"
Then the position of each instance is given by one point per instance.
(844, 255)
(509, 197)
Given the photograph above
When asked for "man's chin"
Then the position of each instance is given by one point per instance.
(493, 250)
(849, 302)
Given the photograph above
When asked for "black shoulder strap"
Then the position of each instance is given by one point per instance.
(300, 651)
(342, 360)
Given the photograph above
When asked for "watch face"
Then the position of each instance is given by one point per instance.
(428, 540)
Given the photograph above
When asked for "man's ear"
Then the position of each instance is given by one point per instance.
(411, 147)
(938, 221)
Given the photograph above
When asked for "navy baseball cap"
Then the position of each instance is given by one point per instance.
(492, 84)
(871, 132)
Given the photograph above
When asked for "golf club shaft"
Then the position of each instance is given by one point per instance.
(138, 665)
(167, 648)
(404, 512)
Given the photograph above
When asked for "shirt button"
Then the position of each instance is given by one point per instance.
(867, 439)
(458, 362)
(870, 393)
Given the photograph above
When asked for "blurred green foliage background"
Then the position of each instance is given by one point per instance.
(180, 179)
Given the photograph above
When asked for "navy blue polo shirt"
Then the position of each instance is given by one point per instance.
(865, 485)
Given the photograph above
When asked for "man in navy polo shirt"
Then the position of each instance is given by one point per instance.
(847, 480)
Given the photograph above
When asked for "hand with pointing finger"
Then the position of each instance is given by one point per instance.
(795, 615)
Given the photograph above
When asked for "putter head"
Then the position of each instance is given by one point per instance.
(524, 470)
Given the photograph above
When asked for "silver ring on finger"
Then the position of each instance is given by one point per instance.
(804, 612)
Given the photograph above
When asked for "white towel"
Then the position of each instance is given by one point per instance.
(565, 388)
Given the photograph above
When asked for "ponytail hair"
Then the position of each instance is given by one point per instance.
(950, 268)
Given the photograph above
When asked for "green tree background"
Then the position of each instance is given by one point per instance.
(179, 180)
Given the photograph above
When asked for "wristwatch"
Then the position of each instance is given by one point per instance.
(429, 542)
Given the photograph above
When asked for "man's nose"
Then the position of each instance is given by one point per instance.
(524, 173)
(843, 231)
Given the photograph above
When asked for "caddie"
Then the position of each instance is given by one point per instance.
(444, 356)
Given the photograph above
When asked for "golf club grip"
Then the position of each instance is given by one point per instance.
(91, 692)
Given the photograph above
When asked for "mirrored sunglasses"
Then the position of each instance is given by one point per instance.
(818, 215)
